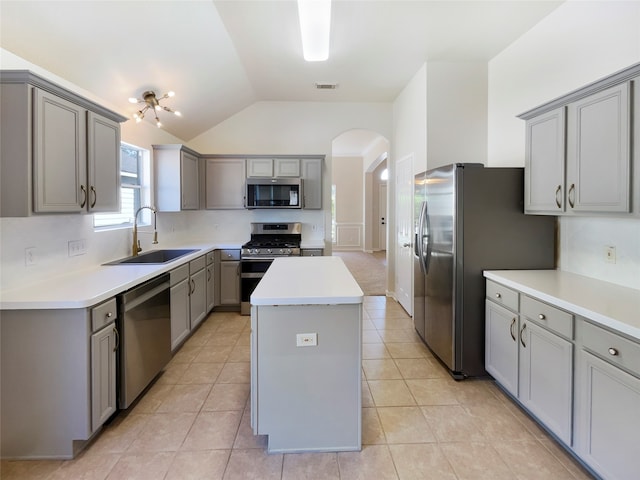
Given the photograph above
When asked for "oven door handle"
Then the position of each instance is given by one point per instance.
(265, 259)
(252, 275)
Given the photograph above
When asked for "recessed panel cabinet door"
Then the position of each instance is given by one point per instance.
(501, 346)
(544, 172)
(189, 171)
(59, 152)
(103, 160)
(103, 375)
(598, 152)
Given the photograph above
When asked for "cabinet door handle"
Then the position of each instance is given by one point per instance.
(193, 286)
(513, 322)
(117, 334)
(558, 198)
(84, 196)
(613, 351)
(521, 335)
(95, 196)
(208, 274)
(572, 194)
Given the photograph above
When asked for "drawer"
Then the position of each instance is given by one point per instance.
(226, 255)
(610, 346)
(197, 264)
(103, 314)
(312, 252)
(210, 258)
(547, 316)
(179, 274)
(502, 295)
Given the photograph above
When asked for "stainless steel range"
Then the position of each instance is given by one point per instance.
(268, 241)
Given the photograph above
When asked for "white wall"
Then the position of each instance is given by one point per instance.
(348, 178)
(576, 44)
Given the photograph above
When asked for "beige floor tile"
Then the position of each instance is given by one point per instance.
(245, 337)
(408, 335)
(118, 436)
(235, 325)
(406, 350)
(405, 425)
(416, 368)
(240, 353)
(367, 324)
(452, 423)
(239, 372)
(526, 420)
(310, 466)
(570, 463)
(163, 432)
(185, 398)
(372, 432)
(392, 323)
(227, 396)
(433, 391)
(28, 469)
(371, 351)
(531, 461)
(213, 353)
(384, 369)
(371, 336)
(245, 438)
(186, 354)
(86, 467)
(201, 465)
(367, 399)
(172, 373)
(475, 391)
(213, 430)
(203, 373)
(497, 423)
(390, 393)
(222, 339)
(142, 466)
(476, 461)
(374, 461)
(253, 464)
(421, 462)
(149, 401)
(199, 338)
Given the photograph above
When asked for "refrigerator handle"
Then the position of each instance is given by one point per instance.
(425, 232)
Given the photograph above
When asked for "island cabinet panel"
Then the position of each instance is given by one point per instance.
(307, 397)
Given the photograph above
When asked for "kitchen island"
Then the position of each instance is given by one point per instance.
(306, 341)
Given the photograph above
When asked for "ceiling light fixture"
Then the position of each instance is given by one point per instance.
(150, 101)
(315, 25)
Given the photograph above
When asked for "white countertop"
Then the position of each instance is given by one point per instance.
(606, 303)
(82, 289)
(307, 281)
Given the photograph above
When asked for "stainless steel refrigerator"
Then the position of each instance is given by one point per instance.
(469, 218)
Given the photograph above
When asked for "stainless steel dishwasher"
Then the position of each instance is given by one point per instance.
(145, 336)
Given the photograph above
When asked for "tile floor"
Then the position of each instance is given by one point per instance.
(418, 423)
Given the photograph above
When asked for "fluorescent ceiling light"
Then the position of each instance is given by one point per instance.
(315, 24)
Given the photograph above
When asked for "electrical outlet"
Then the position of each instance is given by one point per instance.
(77, 247)
(610, 254)
(306, 339)
(30, 256)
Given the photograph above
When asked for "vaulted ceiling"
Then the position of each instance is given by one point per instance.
(221, 56)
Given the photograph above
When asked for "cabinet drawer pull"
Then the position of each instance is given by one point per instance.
(521, 335)
(613, 351)
(84, 196)
(558, 201)
(572, 194)
(109, 315)
(542, 317)
(498, 295)
(513, 322)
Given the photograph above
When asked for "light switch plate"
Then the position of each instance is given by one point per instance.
(306, 339)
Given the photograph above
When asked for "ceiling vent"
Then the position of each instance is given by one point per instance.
(326, 86)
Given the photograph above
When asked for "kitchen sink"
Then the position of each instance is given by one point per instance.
(153, 257)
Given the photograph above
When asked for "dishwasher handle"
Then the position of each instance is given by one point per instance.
(144, 292)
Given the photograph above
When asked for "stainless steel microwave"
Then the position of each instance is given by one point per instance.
(274, 193)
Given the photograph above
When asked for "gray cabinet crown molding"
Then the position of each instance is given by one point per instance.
(617, 78)
(26, 76)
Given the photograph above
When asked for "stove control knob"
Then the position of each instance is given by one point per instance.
(288, 251)
(281, 251)
(268, 250)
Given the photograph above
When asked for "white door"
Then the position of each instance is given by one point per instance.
(404, 232)
(382, 221)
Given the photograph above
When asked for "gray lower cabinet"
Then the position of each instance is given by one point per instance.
(180, 309)
(608, 402)
(58, 387)
(227, 269)
(312, 252)
(60, 152)
(530, 358)
(198, 290)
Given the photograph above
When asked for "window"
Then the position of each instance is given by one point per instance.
(134, 189)
(384, 175)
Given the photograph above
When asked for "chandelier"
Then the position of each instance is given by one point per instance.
(152, 102)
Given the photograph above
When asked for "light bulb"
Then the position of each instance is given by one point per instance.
(158, 124)
(158, 107)
(133, 100)
(170, 94)
(177, 114)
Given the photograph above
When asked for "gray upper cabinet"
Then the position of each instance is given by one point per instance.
(312, 182)
(598, 151)
(177, 178)
(587, 134)
(60, 152)
(273, 167)
(259, 167)
(224, 183)
(544, 163)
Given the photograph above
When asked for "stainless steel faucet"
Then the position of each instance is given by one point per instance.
(135, 247)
